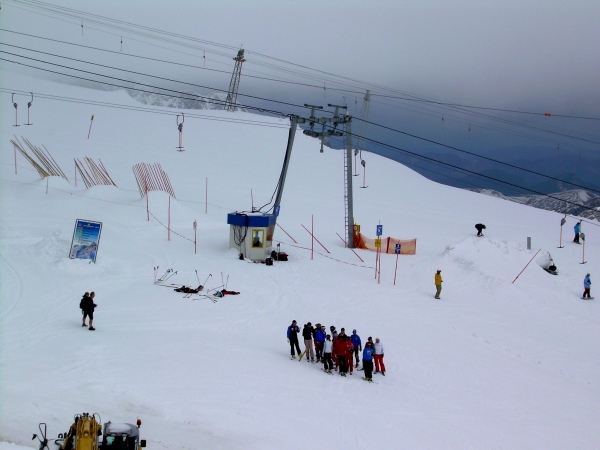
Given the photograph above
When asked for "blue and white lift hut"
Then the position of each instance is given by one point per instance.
(252, 234)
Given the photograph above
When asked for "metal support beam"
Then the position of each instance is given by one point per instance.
(350, 211)
(286, 161)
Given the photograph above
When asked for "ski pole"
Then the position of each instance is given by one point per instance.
(172, 273)
(197, 276)
(227, 282)
(209, 275)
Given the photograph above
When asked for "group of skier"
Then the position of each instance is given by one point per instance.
(336, 350)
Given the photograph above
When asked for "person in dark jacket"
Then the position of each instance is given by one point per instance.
(88, 306)
(357, 345)
(307, 334)
(81, 303)
(480, 227)
(368, 353)
(292, 337)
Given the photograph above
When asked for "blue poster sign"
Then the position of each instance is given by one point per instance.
(86, 239)
(276, 210)
(398, 249)
(379, 230)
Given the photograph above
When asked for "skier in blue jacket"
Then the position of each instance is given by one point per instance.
(587, 285)
(368, 354)
(357, 345)
(577, 229)
(319, 341)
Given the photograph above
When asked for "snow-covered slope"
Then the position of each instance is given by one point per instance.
(492, 365)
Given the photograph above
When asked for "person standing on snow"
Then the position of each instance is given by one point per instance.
(327, 350)
(587, 285)
(307, 334)
(379, 365)
(319, 341)
(81, 303)
(349, 352)
(368, 354)
(292, 337)
(357, 345)
(480, 227)
(339, 350)
(577, 229)
(88, 306)
(438, 284)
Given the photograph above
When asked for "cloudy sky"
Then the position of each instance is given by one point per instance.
(525, 55)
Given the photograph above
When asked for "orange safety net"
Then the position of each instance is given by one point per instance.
(388, 245)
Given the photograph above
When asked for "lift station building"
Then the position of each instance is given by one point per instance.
(252, 234)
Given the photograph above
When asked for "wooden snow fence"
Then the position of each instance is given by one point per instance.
(94, 174)
(45, 165)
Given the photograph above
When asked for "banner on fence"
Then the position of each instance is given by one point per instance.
(385, 245)
(86, 239)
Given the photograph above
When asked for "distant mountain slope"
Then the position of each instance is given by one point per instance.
(214, 101)
(559, 203)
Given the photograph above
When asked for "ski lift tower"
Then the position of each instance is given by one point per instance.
(231, 101)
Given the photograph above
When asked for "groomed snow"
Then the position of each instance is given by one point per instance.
(492, 365)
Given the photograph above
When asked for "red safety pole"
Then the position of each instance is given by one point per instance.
(169, 222)
(396, 270)
(287, 233)
(526, 265)
(379, 271)
(312, 238)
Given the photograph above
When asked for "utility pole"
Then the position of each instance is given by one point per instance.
(332, 123)
(235, 82)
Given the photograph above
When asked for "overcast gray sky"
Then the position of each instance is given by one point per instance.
(528, 54)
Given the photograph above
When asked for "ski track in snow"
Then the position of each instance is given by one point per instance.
(493, 364)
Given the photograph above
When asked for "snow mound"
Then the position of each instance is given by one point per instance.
(494, 259)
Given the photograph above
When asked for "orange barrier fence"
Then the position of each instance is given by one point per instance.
(388, 245)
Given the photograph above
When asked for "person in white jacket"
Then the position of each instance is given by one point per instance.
(379, 350)
(327, 349)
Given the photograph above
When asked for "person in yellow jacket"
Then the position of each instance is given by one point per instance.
(438, 284)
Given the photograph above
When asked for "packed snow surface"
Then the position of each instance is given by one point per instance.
(492, 365)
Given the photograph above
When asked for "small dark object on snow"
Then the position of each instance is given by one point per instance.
(279, 256)
(480, 227)
(189, 290)
(269, 261)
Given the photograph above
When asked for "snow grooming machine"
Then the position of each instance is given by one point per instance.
(86, 434)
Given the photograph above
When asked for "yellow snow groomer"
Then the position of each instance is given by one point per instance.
(86, 433)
